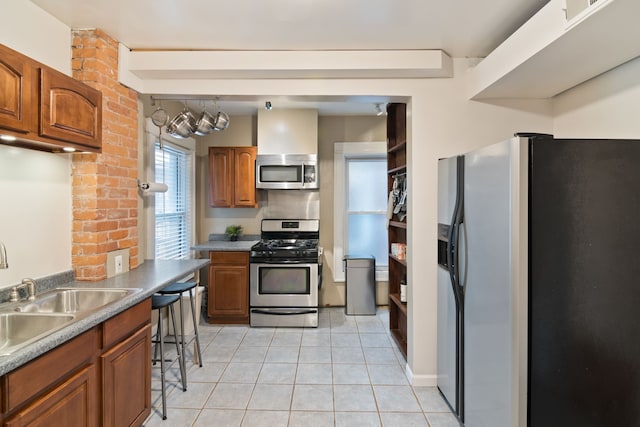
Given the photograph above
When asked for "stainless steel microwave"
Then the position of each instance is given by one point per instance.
(287, 171)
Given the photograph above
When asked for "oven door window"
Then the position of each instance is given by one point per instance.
(280, 280)
(280, 173)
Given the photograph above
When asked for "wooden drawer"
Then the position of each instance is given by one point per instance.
(125, 323)
(42, 373)
(223, 257)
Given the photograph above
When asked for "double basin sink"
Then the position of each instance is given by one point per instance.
(26, 322)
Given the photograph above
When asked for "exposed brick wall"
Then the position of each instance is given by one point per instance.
(105, 204)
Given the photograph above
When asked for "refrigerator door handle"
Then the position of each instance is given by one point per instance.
(461, 267)
(458, 220)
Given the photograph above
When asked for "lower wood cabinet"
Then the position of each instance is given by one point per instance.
(73, 403)
(228, 292)
(126, 381)
(99, 378)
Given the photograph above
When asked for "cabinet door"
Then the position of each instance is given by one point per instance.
(228, 295)
(18, 104)
(245, 177)
(126, 381)
(73, 403)
(220, 177)
(69, 110)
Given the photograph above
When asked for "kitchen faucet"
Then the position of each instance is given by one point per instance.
(4, 264)
(31, 290)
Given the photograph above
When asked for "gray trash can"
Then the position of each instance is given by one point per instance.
(360, 285)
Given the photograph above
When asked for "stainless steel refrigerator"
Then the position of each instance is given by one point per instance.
(539, 270)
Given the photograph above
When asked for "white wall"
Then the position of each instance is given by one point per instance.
(35, 187)
(33, 32)
(607, 106)
(442, 122)
(35, 213)
(292, 131)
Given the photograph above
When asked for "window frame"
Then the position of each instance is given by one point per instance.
(186, 145)
(343, 151)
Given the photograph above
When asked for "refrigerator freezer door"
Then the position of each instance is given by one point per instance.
(446, 189)
(447, 334)
(585, 297)
(494, 210)
(447, 312)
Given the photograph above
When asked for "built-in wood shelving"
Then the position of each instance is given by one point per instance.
(397, 164)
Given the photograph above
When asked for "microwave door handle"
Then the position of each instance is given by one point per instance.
(304, 174)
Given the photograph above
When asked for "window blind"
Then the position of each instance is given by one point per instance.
(173, 220)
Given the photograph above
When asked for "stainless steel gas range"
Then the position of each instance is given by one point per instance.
(285, 274)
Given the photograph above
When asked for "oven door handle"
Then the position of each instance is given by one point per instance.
(283, 312)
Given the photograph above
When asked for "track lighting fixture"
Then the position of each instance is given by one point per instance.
(268, 106)
(379, 110)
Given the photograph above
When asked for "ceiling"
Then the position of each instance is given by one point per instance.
(462, 28)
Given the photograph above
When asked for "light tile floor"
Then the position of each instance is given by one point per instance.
(347, 372)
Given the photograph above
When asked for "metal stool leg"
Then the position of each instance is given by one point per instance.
(161, 341)
(195, 328)
(180, 356)
(183, 362)
(155, 344)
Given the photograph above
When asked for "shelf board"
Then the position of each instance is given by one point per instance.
(400, 339)
(397, 146)
(402, 306)
(398, 224)
(398, 260)
(397, 169)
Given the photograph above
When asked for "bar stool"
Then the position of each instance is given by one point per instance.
(158, 302)
(179, 288)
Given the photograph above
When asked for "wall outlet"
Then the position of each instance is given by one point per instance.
(118, 264)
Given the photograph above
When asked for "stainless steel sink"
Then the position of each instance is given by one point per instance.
(74, 300)
(20, 329)
(26, 322)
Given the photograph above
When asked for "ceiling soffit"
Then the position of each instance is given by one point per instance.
(138, 66)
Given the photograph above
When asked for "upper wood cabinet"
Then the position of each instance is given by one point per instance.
(46, 109)
(232, 182)
(69, 109)
(17, 92)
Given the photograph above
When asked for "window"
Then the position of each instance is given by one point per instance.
(173, 209)
(366, 208)
(360, 205)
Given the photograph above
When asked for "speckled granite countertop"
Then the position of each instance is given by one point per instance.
(148, 277)
(240, 245)
(220, 242)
